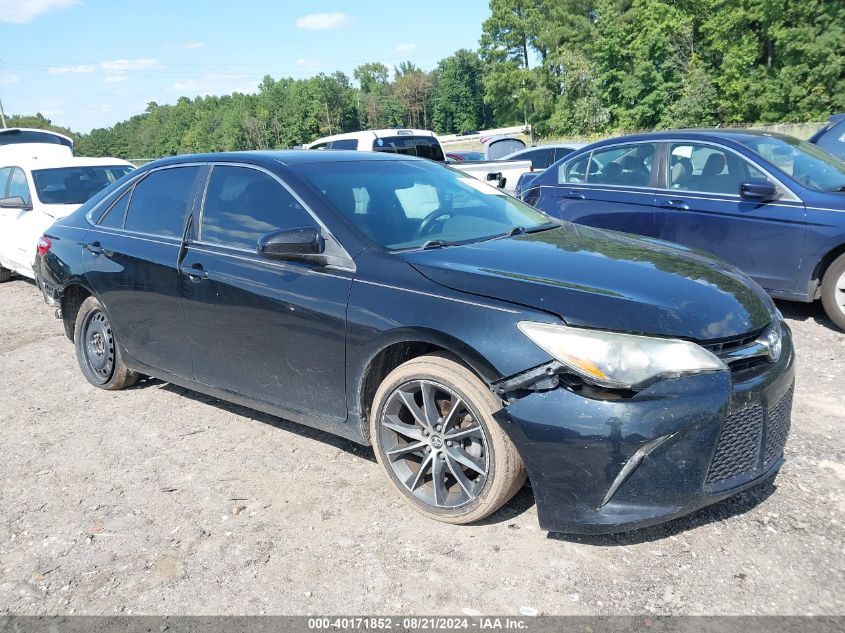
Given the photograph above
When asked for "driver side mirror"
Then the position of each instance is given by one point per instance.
(758, 189)
(297, 245)
(14, 202)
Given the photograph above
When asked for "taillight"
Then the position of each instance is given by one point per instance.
(44, 245)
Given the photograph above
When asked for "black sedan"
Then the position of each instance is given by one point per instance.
(468, 337)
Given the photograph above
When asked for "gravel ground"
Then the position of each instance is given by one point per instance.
(160, 500)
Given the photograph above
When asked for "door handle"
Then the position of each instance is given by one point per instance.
(573, 194)
(675, 204)
(195, 272)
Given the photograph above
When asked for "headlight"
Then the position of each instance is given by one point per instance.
(622, 361)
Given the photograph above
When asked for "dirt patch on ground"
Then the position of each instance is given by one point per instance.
(159, 500)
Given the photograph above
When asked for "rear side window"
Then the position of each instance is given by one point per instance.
(242, 204)
(540, 158)
(160, 201)
(345, 143)
(115, 215)
(5, 172)
(422, 146)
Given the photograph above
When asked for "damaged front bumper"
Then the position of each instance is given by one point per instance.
(601, 465)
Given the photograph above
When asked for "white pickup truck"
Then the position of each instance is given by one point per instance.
(425, 144)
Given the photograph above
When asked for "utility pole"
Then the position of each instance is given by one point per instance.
(328, 120)
(2, 115)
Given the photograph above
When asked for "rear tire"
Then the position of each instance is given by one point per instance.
(97, 350)
(833, 291)
(433, 433)
(5, 274)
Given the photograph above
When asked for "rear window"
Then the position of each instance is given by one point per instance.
(422, 146)
(14, 137)
(160, 201)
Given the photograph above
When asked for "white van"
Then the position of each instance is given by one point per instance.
(41, 181)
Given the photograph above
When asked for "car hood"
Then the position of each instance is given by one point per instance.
(604, 279)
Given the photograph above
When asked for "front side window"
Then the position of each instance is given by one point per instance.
(242, 204)
(74, 185)
(160, 202)
(405, 204)
(812, 167)
(708, 169)
(18, 185)
(5, 172)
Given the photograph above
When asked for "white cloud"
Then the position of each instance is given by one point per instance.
(22, 11)
(111, 79)
(216, 84)
(71, 70)
(50, 112)
(323, 21)
(404, 49)
(192, 46)
(127, 65)
(8, 78)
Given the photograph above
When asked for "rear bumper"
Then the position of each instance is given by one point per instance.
(602, 466)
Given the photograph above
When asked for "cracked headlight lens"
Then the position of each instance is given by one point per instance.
(621, 361)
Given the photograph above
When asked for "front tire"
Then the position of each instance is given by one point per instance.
(97, 350)
(833, 291)
(433, 433)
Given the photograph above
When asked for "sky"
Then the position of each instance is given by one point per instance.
(91, 63)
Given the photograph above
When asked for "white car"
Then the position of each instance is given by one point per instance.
(41, 182)
(425, 144)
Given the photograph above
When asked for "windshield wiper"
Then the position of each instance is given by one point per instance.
(838, 188)
(432, 244)
(520, 230)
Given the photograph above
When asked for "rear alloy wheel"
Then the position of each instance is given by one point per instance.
(97, 351)
(833, 291)
(434, 435)
(5, 274)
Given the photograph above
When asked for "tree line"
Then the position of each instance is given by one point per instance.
(567, 67)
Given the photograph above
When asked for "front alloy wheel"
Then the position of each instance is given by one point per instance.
(435, 446)
(434, 434)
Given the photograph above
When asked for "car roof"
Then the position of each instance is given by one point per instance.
(286, 157)
(692, 134)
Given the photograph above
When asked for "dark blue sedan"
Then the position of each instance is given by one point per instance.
(467, 337)
(771, 205)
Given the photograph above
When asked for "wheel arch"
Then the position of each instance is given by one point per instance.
(825, 262)
(404, 345)
(73, 295)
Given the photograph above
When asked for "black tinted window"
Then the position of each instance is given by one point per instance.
(242, 204)
(160, 200)
(423, 146)
(114, 216)
(540, 158)
(13, 137)
(428, 147)
(346, 143)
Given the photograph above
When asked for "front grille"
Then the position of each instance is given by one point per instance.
(747, 435)
(726, 345)
(778, 427)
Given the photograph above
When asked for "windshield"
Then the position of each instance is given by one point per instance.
(812, 167)
(74, 185)
(410, 204)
